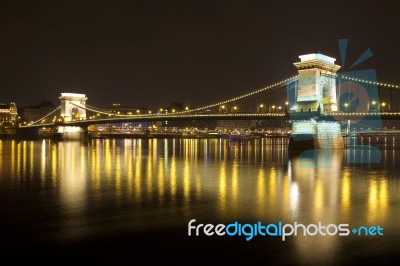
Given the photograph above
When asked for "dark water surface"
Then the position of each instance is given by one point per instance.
(129, 201)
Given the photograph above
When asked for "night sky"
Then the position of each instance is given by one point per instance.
(152, 53)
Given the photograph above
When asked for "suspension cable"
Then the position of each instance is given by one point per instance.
(47, 115)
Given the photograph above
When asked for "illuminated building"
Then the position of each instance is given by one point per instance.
(8, 113)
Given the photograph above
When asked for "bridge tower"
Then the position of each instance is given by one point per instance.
(316, 94)
(69, 109)
(315, 90)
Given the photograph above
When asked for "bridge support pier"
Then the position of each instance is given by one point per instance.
(71, 133)
(308, 135)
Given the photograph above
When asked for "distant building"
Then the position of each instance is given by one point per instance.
(34, 113)
(8, 113)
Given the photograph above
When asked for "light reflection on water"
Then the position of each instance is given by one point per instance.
(86, 189)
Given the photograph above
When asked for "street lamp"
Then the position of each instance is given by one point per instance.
(345, 106)
(273, 108)
(373, 105)
(287, 107)
(235, 108)
(261, 109)
(383, 106)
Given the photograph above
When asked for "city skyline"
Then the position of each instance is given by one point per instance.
(142, 54)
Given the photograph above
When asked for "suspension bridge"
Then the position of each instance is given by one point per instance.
(316, 93)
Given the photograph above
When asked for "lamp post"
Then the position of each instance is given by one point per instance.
(346, 105)
(373, 105)
(222, 109)
(261, 108)
(383, 106)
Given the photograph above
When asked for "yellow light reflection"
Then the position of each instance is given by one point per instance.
(19, 156)
(205, 148)
(215, 149)
(130, 183)
(272, 187)
(196, 149)
(294, 199)
(319, 199)
(100, 161)
(149, 177)
(377, 201)
(173, 178)
(260, 194)
(118, 175)
(54, 161)
(138, 173)
(186, 183)
(345, 195)
(285, 199)
(222, 190)
(107, 158)
(234, 186)
(383, 198)
(24, 159)
(160, 181)
(13, 158)
(72, 178)
(43, 162)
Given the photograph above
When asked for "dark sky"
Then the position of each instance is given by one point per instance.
(152, 53)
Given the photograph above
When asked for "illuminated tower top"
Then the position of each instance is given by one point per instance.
(316, 89)
(71, 104)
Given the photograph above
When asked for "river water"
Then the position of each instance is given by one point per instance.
(119, 200)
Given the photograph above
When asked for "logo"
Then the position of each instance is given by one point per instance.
(280, 229)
